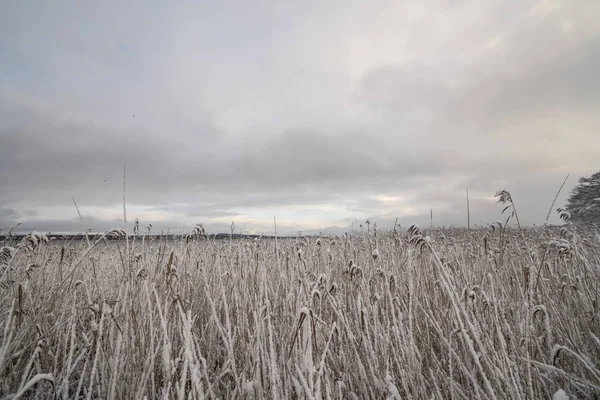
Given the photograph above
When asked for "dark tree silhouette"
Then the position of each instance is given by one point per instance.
(584, 202)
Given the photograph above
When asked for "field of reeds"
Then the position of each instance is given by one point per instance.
(486, 313)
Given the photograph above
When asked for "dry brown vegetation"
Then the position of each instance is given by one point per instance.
(442, 314)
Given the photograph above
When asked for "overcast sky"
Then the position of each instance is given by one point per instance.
(319, 113)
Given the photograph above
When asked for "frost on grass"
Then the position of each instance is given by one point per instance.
(560, 395)
(449, 314)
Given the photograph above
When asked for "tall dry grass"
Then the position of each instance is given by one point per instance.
(438, 314)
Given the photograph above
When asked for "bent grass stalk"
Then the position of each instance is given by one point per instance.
(222, 319)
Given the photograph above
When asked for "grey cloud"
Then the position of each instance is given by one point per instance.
(312, 156)
(300, 166)
(533, 193)
(53, 159)
(535, 67)
(7, 213)
(42, 155)
(564, 83)
(456, 115)
(194, 210)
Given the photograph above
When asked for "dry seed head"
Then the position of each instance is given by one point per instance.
(333, 288)
(117, 233)
(555, 353)
(414, 230)
(563, 214)
(6, 255)
(503, 196)
(375, 254)
(560, 395)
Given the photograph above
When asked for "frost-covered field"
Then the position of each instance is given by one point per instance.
(477, 314)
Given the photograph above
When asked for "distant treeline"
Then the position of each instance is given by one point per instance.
(213, 236)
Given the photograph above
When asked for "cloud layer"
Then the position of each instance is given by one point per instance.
(319, 116)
